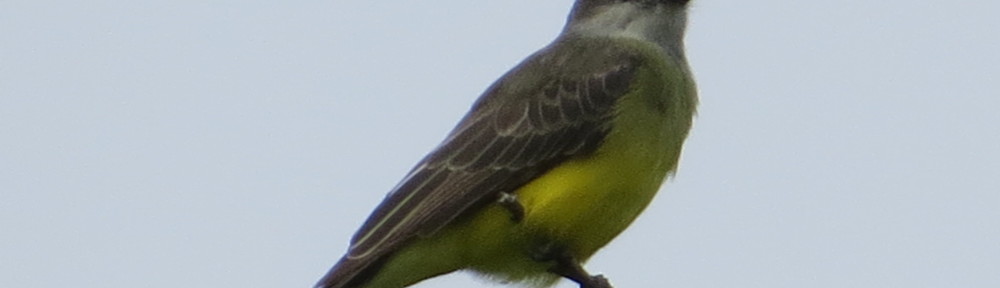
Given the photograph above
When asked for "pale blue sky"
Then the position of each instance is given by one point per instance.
(237, 144)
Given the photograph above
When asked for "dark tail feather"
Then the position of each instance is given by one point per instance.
(351, 273)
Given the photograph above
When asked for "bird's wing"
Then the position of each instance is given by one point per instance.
(541, 113)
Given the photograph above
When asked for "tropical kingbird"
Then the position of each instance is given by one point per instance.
(554, 160)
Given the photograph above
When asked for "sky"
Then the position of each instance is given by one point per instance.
(241, 143)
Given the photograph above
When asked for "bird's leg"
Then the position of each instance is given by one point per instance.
(509, 202)
(567, 267)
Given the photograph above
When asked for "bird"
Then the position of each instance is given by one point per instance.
(554, 160)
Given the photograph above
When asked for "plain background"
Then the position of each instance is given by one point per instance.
(240, 143)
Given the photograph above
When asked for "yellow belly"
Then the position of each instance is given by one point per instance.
(579, 206)
(585, 202)
(582, 204)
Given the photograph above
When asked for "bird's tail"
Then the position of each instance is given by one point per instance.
(349, 273)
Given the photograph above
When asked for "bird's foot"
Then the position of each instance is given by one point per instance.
(567, 267)
(509, 202)
(597, 281)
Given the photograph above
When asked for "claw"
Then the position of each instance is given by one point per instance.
(509, 201)
(567, 267)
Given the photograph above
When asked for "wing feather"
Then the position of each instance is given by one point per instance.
(513, 134)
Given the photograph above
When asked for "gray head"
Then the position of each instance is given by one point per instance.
(660, 21)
